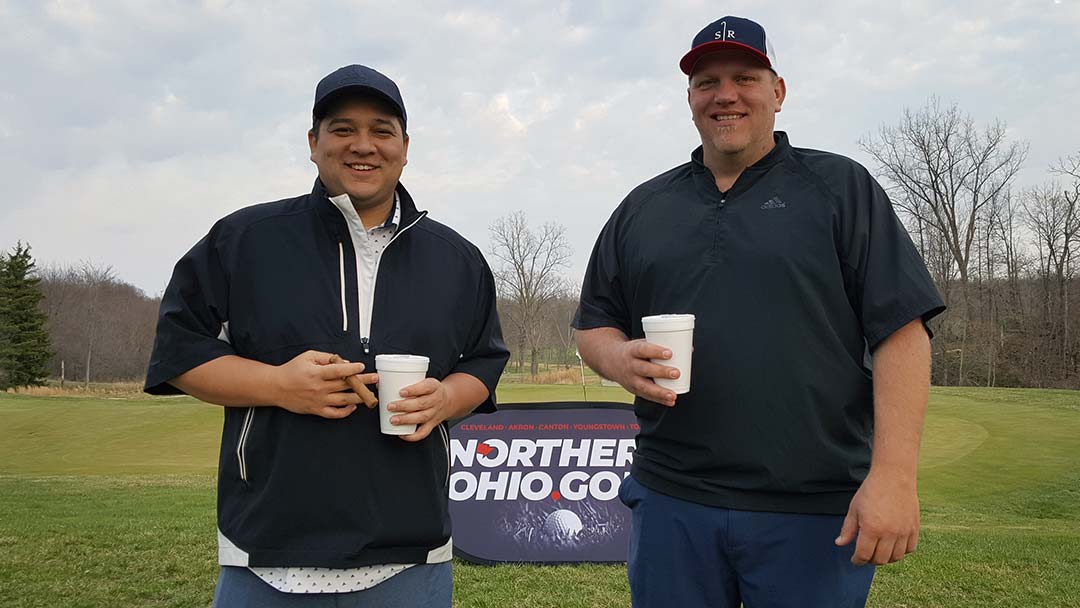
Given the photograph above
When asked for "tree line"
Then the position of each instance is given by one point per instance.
(102, 328)
(74, 324)
(1003, 257)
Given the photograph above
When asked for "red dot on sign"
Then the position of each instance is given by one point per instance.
(555, 495)
(484, 449)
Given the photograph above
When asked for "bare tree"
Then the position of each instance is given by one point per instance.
(1069, 168)
(944, 172)
(1054, 220)
(560, 317)
(528, 275)
(1065, 212)
(95, 278)
(1005, 226)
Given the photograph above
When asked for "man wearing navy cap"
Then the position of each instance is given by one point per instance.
(788, 470)
(274, 309)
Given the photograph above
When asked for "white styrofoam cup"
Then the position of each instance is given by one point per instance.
(395, 373)
(675, 332)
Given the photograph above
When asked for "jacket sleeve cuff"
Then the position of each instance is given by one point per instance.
(161, 372)
(486, 370)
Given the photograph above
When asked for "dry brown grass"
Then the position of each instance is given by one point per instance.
(77, 389)
(549, 373)
(133, 390)
(557, 376)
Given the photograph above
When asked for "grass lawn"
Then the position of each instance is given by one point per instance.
(110, 502)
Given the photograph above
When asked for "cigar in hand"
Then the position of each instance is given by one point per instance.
(357, 386)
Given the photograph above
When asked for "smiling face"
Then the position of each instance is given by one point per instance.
(360, 149)
(734, 100)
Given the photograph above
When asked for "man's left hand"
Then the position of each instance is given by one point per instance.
(426, 404)
(884, 515)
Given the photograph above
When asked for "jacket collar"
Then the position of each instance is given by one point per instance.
(409, 213)
(781, 149)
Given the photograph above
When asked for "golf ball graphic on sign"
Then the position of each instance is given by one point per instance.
(541, 485)
(562, 524)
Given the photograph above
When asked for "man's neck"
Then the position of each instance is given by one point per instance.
(726, 168)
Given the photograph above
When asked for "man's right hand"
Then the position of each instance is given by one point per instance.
(631, 367)
(311, 384)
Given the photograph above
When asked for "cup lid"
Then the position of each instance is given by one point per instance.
(667, 322)
(401, 363)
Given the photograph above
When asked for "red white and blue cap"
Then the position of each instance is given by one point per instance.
(730, 33)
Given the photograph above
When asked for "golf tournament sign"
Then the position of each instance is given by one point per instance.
(539, 482)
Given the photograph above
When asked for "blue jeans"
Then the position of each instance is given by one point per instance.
(421, 586)
(687, 554)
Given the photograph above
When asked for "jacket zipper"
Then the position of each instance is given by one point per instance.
(369, 303)
(341, 273)
(245, 431)
(446, 445)
(715, 257)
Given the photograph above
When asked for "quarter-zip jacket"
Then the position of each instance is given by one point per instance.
(794, 274)
(272, 281)
(360, 237)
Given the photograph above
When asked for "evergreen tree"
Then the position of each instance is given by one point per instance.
(6, 350)
(24, 339)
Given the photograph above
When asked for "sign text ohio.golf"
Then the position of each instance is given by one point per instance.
(522, 463)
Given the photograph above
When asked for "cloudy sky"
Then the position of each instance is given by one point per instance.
(128, 127)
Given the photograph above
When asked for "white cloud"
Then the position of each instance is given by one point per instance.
(508, 123)
(576, 35)
(475, 23)
(590, 114)
(971, 26)
(128, 127)
(75, 13)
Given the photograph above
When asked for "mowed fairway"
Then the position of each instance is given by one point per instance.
(111, 503)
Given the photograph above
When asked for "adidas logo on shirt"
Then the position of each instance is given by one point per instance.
(774, 203)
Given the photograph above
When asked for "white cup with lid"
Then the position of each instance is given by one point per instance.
(395, 373)
(676, 333)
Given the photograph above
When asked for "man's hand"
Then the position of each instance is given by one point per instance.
(633, 369)
(885, 511)
(613, 356)
(311, 384)
(885, 515)
(427, 404)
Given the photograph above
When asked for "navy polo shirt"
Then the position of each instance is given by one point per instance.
(793, 274)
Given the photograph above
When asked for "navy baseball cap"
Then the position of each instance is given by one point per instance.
(730, 33)
(361, 79)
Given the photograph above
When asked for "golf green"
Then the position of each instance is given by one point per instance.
(107, 502)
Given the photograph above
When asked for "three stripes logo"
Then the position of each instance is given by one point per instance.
(774, 203)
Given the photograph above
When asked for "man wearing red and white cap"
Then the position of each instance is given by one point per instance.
(788, 470)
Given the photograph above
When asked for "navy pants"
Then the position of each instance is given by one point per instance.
(687, 554)
(421, 586)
